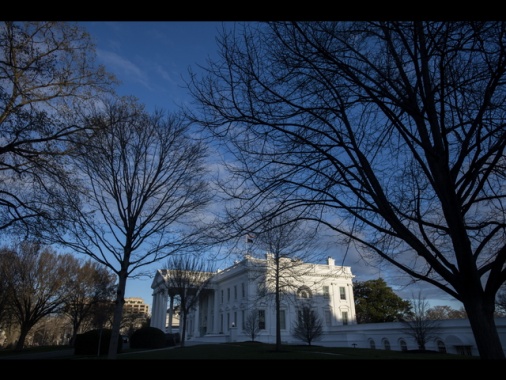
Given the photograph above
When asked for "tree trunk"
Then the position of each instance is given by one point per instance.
(481, 319)
(118, 316)
(183, 331)
(22, 337)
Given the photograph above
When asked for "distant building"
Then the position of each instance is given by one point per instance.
(135, 305)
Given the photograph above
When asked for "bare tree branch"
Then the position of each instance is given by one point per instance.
(392, 134)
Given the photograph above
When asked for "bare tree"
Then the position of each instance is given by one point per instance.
(48, 79)
(308, 326)
(89, 284)
(143, 186)
(251, 324)
(133, 320)
(186, 278)
(37, 278)
(418, 323)
(290, 244)
(390, 133)
(53, 329)
(445, 312)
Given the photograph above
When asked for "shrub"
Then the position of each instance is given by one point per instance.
(148, 337)
(88, 342)
(171, 339)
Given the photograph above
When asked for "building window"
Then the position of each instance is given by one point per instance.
(342, 292)
(304, 292)
(441, 347)
(386, 344)
(242, 318)
(221, 323)
(403, 344)
(222, 296)
(344, 316)
(328, 317)
(261, 319)
(228, 294)
(235, 292)
(243, 290)
(463, 350)
(326, 292)
(228, 321)
(234, 322)
(262, 291)
(372, 344)
(282, 320)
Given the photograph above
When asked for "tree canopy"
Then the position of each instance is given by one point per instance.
(376, 302)
(391, 133)
(49, 81)
(142, 187)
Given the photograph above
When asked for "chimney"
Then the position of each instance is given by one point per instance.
(330, 261)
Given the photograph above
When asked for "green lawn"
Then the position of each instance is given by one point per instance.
(251, 350)
(261, 351)
(257, 351)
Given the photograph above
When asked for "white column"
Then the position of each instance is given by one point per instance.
(216, 318)
(159, 312)
(171, 312)
(196, 320)
(154, 310)
(155, 316)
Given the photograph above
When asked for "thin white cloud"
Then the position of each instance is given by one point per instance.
(123, 67)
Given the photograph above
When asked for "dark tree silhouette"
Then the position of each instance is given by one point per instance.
(376, 302)
(308, 325)
(48, 81)
(143, 187)
(251, 324)
(390, 133)
(289, 244)
(440, 312)
(36, 277)
(418, 323)
(89, 284)
(5, 292)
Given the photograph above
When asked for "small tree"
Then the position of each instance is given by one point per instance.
(132, 321)
(290, 243)
(445, 312)
(376, 302)
(143, 188)
(420, 327)
(251, 324)
(308, 325)
(88, 285)
(36, 278)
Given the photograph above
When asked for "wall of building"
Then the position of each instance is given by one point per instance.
(234, 292)
(454, 336)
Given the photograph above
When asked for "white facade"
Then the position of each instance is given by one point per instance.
(233, 292)
(244, 287)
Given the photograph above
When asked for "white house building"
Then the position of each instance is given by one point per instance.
(246, 287)
(231, 295)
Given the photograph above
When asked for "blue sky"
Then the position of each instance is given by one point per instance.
(150, 59)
